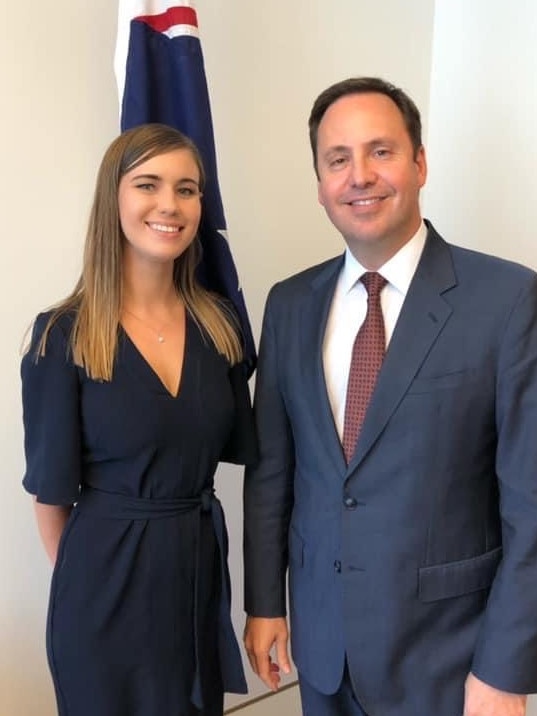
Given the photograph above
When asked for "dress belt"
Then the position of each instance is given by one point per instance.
(125, 507)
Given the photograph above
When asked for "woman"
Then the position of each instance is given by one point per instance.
(133, 390)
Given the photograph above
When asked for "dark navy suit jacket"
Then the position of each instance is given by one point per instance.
(418, 561)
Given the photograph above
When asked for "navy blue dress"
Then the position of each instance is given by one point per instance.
(139, 621)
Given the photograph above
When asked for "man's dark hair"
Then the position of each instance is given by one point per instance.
(365, 85)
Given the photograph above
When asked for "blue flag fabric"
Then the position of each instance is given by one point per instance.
(164, 81)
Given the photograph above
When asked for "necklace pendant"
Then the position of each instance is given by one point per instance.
(160, 338)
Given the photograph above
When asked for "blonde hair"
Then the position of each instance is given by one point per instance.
(96, 298)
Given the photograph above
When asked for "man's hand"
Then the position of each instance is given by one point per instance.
(480, 699)
(260, 635)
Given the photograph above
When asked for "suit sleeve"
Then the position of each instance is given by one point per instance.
(51, 417)
(268, 486)
(506, 652)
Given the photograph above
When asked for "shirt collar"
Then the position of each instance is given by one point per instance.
(398, 271)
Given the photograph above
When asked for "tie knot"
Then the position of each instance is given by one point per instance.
(374, 283)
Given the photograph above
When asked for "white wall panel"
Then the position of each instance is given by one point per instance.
(482, 139)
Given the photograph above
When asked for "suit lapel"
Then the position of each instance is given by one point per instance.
(422, 318)
(313, 326)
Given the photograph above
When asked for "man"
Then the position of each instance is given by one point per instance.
(401, 492)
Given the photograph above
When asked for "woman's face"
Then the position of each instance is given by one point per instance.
(160, 206)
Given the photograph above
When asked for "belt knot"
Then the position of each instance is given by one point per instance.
(207, 497)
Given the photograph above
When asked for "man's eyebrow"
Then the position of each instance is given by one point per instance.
(338, 149)
(380, 140)
(370, 144)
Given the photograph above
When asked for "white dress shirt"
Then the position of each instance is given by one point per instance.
(348, 310)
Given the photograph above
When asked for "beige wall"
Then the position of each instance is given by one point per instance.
(265, 63)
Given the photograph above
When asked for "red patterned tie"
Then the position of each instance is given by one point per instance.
(367, 355)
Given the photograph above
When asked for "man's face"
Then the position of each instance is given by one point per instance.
(369, 177)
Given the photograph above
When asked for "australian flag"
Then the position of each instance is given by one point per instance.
(161, 78)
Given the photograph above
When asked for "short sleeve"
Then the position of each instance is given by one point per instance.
(241, 448)
(50, 402)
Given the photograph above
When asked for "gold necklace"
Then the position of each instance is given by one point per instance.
(158, 333)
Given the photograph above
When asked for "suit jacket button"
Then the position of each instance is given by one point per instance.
(337, 565)
(349, 502)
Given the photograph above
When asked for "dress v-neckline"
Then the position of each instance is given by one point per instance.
(149, 370)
